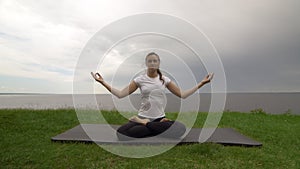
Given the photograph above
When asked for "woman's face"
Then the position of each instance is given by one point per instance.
(152, 62)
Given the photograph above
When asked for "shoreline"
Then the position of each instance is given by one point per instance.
(271, 103)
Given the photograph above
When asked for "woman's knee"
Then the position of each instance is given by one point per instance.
(176, 130)
(124, 135)
(121, 130)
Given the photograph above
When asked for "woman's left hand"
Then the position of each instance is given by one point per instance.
(164, 120)
(207, 78)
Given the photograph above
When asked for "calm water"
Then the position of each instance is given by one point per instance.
(275, 103)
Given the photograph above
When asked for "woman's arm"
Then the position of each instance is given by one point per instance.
(120, 94)
(184, 94)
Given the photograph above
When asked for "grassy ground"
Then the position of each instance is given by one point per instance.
(25, 143)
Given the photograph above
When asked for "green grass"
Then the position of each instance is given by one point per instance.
(25, 143)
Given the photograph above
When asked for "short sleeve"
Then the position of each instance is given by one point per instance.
(137, 80)
(167, 80)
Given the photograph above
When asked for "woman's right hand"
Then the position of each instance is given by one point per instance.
(97, 77)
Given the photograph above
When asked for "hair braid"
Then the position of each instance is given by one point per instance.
(160, 76)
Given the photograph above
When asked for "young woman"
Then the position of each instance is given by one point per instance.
(151, 119)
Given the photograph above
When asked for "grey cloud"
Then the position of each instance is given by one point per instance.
(258, 41)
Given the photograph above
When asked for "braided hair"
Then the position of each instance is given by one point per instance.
(158, 71)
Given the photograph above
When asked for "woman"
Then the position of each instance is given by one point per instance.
(151, 119)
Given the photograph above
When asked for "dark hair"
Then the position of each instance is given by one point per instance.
(158, 71)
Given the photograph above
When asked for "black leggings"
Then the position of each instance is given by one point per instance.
(133, 130)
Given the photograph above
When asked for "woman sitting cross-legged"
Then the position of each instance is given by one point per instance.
(151, 119)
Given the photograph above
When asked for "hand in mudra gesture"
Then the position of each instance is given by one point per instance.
(208, 78)
(97, 77)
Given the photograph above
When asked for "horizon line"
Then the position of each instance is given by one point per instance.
(37, 93)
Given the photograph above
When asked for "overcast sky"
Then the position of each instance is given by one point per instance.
(258, 42)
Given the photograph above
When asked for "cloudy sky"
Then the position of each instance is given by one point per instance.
(41, 42)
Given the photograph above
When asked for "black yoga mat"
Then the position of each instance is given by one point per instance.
(106, 134)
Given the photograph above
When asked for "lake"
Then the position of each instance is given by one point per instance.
(274, 103)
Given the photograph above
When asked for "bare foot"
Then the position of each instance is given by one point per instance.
(139, 120)
(164, 120)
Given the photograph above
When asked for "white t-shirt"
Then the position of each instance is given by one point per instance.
(154, 100)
